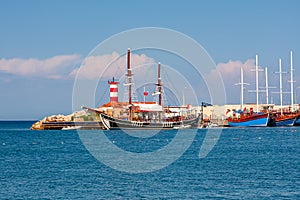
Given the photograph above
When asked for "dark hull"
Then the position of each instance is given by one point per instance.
(297, 121)
(286, 122)
(286, 119)
(111, 123)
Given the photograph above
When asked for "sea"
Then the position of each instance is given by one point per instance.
(229, 163)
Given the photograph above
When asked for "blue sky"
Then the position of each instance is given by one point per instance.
(63, 32)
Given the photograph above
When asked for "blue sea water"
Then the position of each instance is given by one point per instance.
(250, 163)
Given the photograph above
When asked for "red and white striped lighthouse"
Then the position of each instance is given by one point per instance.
(113, 90)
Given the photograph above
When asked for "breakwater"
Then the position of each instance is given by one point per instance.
(76, 120)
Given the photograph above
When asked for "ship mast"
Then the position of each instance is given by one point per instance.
(159, 85)
(129, 77)
(267, 86)
(242, 88)
(292, 83)
(256, 79)
(280, 85)
(159, 88)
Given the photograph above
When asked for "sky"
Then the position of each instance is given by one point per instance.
(43, 43)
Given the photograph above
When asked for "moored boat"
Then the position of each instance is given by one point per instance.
(285, 121)
(146, 115)
(248, 119)
(285, 118)
(111, 123)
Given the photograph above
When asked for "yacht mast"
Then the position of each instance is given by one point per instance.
(256, 80)
(280, 85)
(267, 86)
(159, 85)
(129, 77)
(292, 83)
(242, 88)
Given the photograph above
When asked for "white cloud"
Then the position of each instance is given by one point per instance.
(230, 71)
(230, 74)
(54, 68)
(108, 65)
(66, 66)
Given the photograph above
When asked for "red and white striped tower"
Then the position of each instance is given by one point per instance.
(113, 90)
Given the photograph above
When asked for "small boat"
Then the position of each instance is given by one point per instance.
(71, 128)
(182, 126)
(212, 125)
(206, 123)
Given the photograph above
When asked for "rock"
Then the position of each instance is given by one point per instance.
(37, 126)
(53, 118)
